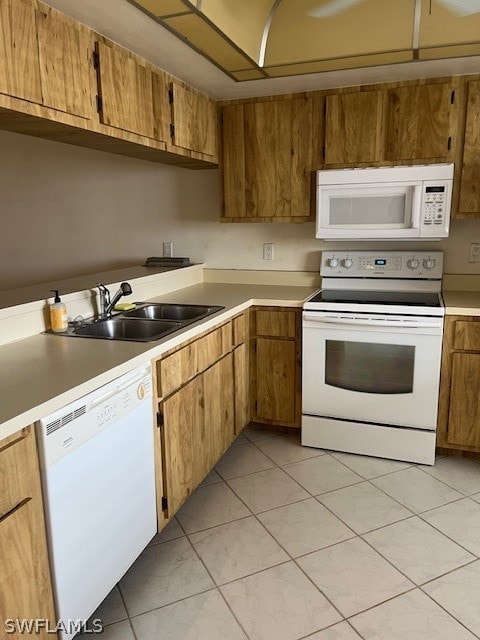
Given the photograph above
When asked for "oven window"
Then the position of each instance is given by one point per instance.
(369, 368)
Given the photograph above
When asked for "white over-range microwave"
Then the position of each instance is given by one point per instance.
(385, 203)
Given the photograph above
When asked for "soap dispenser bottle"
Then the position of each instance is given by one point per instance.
(58, 314)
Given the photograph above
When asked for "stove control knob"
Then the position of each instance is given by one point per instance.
(413, 263)
(332, 262)
(429, 263)
(347, 263)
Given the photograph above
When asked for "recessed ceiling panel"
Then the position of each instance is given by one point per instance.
(299, 32)
(449, 22)
(248, 74)
(243, 22)
(163, 7)
(337, 64)
(207, 40)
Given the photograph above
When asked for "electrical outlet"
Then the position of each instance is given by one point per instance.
(167, 249)
(268, 251)
(474, 255)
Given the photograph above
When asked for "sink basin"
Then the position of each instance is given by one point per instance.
(179, 312)
(127, 329)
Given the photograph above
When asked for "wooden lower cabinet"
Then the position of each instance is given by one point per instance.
(275, 380)
(459, 407)
(275, 366)
(25, 586)
(202, 394)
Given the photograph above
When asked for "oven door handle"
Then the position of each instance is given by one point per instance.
(373, 323)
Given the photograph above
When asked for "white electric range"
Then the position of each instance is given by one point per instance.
(372, 342)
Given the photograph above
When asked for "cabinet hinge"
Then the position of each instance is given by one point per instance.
(160, 422)
(172, 130)
(452, 97)
(96, 60)
(99, 104)
(164, 503)
(170, 96)
(449, 143)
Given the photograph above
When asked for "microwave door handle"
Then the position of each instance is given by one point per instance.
(417, 205)
(372, 323)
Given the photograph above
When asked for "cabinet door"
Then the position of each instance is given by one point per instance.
(353, 127)
(19, 61)
(470, 185)
(162, 117)
(233, 161)
(418, 122)
(281, 151)
(275, 379)
(194, 120)
(125, 87)
(269, 152)
(65, 51)
(25, 587)
(219, 407)
(242, 402)
(464, 412)
(184, 441)
(22, 563)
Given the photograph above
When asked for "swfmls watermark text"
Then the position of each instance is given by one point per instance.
(37, 625)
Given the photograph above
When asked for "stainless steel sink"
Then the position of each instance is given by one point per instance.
(148, 322)
(183, 313)
(120, 328)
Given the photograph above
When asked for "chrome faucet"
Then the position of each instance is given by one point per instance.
(106, 304)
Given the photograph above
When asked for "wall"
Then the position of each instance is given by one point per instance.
(69, 211)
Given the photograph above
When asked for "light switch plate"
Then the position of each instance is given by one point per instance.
(167, 249)
(474, 255)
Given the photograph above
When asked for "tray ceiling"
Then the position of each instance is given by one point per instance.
(258, 39)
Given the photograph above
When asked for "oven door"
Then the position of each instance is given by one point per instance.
(372, 368)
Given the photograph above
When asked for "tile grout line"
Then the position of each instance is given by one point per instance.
(448, 612)
(294, 560)
(291, 559)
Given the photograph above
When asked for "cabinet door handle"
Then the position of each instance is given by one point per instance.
(14, 510)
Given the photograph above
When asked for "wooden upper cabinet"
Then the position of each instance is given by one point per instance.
(65, 52)
(19, 61)
(470, 184)
(125, 86)
(353, 127)
(194, 119)
(270, 149)
(419, 121)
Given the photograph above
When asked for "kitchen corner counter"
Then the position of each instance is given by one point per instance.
(462, 303)
(42, 373)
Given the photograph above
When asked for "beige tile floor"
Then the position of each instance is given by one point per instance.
(283, 542)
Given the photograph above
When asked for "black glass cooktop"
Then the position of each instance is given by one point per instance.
(407, 298)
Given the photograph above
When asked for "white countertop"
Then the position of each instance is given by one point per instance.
(462, 303)
(40, 374)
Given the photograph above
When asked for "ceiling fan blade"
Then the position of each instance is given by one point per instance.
(332, 8)
(462, 8)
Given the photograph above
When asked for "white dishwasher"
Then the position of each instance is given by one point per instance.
(99, 491)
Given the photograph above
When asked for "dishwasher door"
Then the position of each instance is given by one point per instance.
(99, 490)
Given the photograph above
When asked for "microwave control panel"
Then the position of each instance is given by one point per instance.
(386, 264)
(434, 205)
